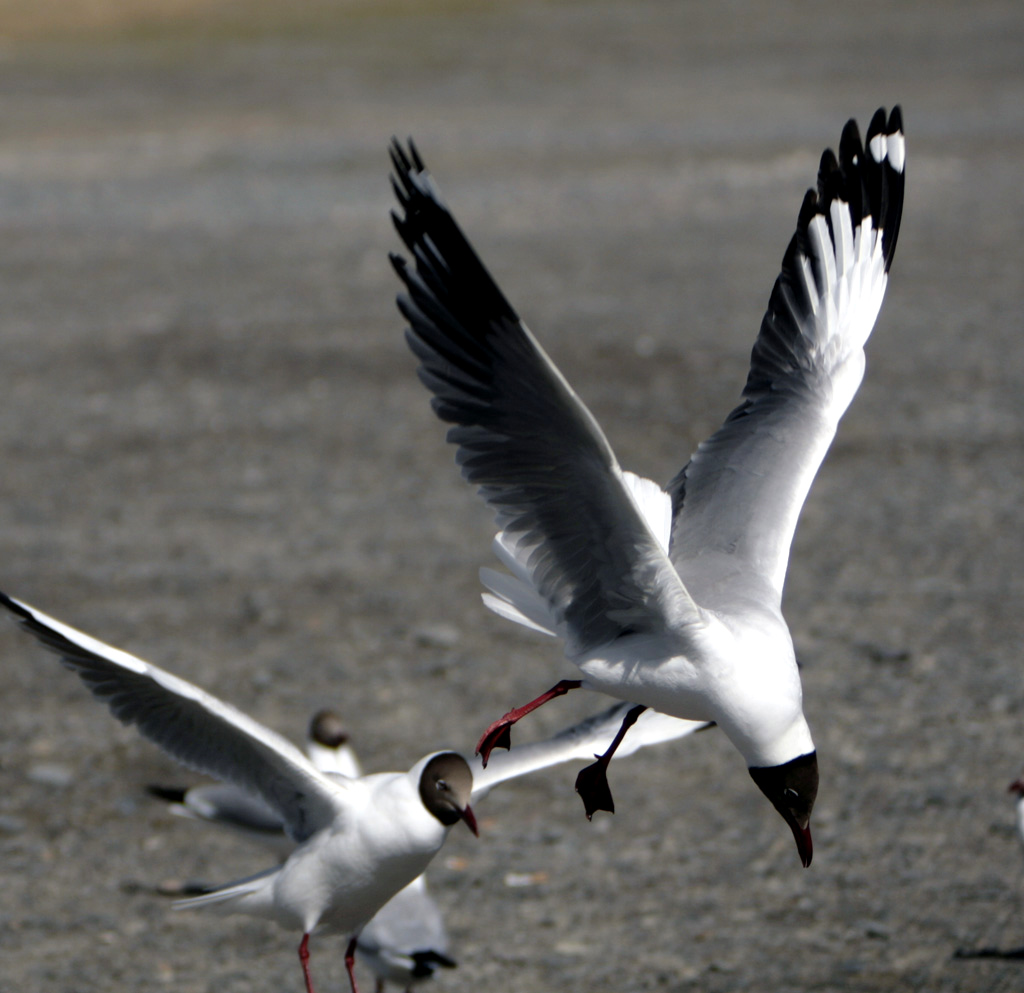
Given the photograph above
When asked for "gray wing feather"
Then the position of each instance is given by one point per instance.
(227, 804)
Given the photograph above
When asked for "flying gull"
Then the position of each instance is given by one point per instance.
(669, 599)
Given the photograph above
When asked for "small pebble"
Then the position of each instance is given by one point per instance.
(437, 636)
(11, 825)
(519, 879)
(50, 774)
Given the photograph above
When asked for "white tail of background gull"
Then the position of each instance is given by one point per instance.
(669, 599)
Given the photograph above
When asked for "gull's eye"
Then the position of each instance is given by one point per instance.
(790, 794)
(442, 786)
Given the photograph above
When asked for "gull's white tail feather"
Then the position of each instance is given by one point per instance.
(512, 599)
(247, 895)
(513, 596)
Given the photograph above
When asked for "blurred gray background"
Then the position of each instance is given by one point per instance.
(215, 454)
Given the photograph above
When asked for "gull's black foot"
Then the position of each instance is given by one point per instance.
(592, 786)
(498, 735)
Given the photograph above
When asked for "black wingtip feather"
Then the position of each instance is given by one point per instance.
(427, 961)
(27, 621)
(878, 123)
(447, 278)
(851, 155)
(414, 154)
(14, 607)
(871, 188)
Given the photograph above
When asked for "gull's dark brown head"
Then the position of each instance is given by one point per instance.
(792, 788)
(446, 785)
(326, 728)
(1017, 786)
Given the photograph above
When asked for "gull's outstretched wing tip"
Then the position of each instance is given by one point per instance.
(197, 729)
(73, 647)
(868, 176)
(404, 159)
(859, 195)
(22, 615)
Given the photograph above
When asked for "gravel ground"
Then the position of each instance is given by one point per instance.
(216, 454)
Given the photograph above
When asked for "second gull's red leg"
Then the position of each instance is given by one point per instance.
(304, 959)
(350, 964)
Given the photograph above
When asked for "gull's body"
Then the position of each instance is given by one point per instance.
(334, 880)
(406, 941)
(667, 598)
(358, 841)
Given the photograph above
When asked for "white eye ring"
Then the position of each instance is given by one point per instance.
(790, 792)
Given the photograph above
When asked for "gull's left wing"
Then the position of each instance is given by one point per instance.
(740, 495)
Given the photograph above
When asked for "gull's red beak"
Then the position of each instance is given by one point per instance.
(804, 845)
(470, 819)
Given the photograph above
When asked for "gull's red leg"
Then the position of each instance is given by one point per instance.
(350, 964)
(304, 959)
(498, 736)
(592, 782)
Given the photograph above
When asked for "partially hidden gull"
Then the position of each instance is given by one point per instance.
(1017, 789)
(670, 598)
(358, 841)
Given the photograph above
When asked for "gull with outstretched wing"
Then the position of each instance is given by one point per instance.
(669, 599)
(358, 841)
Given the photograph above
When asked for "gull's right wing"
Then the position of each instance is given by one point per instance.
(192, 726)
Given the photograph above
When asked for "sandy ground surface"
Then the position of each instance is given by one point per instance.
(215, 454)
